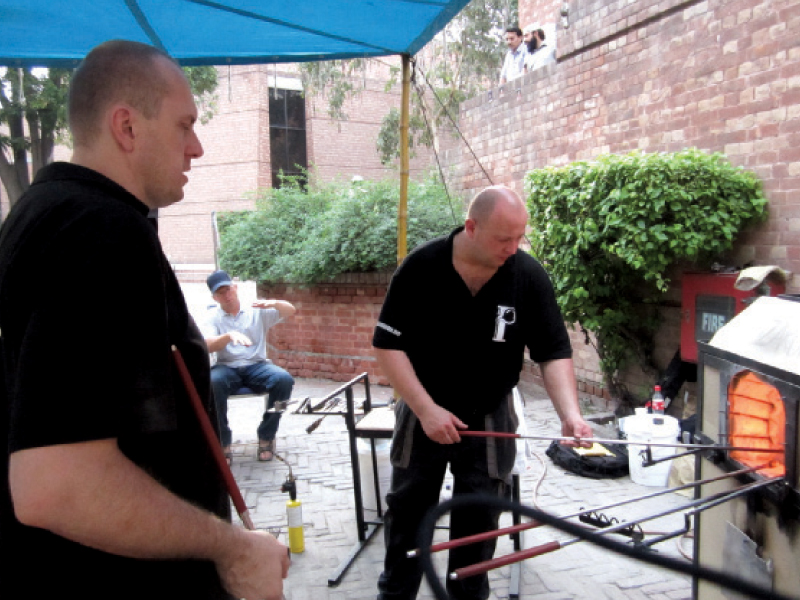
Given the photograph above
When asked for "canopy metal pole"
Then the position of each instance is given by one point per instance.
(402, 209)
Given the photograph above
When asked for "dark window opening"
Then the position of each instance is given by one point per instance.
(287, 135)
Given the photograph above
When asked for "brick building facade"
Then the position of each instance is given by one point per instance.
(654, 75)
(237, 159)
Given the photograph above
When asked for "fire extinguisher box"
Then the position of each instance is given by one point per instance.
(709, 300)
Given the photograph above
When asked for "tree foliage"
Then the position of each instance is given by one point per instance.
(33, 109)
(335, 80)
(609, 230)
(462, 60)
(311, 236)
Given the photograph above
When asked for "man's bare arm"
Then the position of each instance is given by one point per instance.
(90, 493)
(284, 308)
(559, 381)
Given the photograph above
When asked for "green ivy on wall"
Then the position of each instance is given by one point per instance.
(608, 230)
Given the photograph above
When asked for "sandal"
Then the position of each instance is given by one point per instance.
(266, 450)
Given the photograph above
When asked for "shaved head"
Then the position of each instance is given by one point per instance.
(496, 222)
(116, 71)
(483, 205)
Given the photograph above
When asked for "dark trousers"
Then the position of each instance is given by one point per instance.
(259, 377)
(414, 490)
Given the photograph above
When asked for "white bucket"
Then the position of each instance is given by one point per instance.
(646, 428)
(366, 473)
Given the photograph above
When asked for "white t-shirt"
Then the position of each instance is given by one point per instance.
(544, 55)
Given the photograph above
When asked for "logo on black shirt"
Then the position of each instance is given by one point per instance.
(506, 315)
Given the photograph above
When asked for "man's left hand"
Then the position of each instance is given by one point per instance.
(261, 303)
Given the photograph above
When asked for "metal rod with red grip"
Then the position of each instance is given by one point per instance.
(519, 556)
(478, 537)
(463, 541)
(508, 559)
(213, 441)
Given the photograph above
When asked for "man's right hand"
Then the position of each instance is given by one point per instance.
(255, 566)
(441, 425)
(239, 339)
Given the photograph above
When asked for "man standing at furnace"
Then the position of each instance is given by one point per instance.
(451, 336)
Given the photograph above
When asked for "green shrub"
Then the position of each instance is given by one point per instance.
(608, 231)
(310, 236)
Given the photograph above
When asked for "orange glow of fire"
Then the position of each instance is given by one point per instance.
(757, 419)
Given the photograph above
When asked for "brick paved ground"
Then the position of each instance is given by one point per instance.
(321, 464)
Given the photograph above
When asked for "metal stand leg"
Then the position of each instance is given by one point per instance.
(365, 529)
(515, 579)
(337, 575)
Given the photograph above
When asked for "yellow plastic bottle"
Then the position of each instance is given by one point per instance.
(294, 514)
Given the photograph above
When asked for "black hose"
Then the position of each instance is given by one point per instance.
(425, 539)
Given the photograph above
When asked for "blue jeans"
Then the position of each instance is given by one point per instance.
(259, 377)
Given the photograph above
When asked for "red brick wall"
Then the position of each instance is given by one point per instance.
(233, 165)
(539, 12)
(330, 336)
(656, 75)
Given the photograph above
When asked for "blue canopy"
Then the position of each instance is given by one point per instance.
(205, 32)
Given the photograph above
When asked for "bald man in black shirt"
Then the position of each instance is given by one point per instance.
(451, 336)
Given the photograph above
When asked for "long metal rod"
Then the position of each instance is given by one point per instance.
(479, 537)
(213, 441)
(503, 434)
(514, 557)
(712, 501)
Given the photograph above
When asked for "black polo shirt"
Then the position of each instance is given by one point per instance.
(468, 350)
(89, 308)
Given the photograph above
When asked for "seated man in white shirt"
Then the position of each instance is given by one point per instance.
(239, 337)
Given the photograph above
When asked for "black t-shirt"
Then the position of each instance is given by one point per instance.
(467, 351)
(89, 309)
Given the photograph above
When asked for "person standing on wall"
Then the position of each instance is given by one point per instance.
(540, 53)
(514, 62)
(450, 338)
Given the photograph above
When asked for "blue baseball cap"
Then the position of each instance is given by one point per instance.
(217, 279)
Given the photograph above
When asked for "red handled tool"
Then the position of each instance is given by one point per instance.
(213, 441)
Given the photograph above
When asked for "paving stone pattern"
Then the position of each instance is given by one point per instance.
(320, 462)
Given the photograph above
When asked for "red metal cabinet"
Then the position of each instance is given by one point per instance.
(709, 300)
